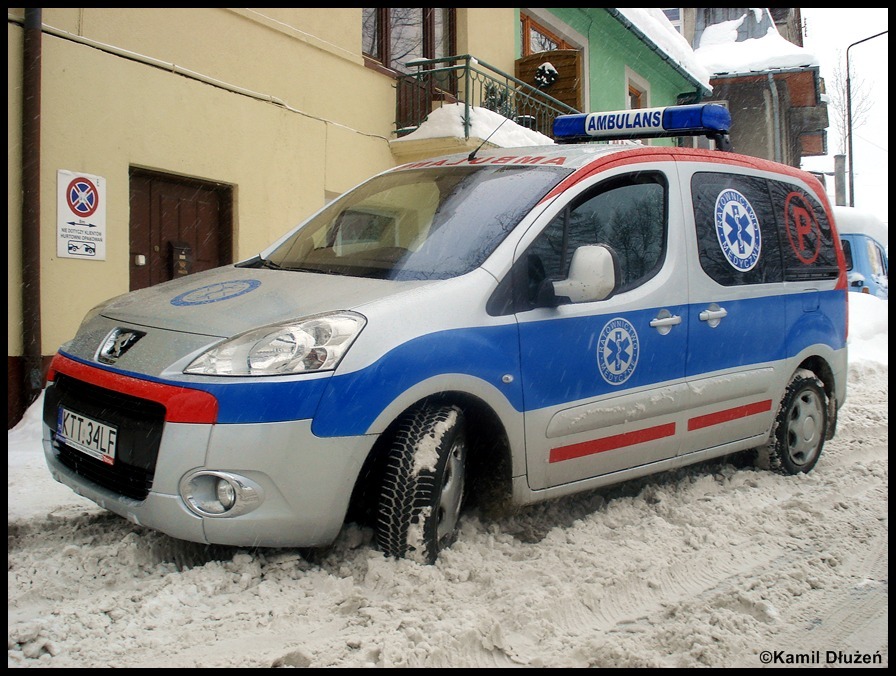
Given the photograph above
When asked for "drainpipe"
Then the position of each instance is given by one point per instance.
(31, 311)
(776, 136)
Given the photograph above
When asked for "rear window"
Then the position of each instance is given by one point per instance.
(808, 247)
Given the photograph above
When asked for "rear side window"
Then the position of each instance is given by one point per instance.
(807, 238)
(737, 230)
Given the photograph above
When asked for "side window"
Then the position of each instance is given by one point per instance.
(807, 240)
(737, 233)
(877, 261)
(884, 262)
(847, 253)
(535, 38)
(629, 214)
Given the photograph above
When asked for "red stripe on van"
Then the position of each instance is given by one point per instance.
(182, 404)
(611, 443)
(728, 415)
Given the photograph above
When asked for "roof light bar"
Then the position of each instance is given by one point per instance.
(702, 119)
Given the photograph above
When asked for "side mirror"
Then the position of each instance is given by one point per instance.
(593, 275)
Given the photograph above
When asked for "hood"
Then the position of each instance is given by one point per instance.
(230, 300)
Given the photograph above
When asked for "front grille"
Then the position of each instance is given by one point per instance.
(131, 482)
(139, 423)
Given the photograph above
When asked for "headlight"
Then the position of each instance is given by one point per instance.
(300, 346)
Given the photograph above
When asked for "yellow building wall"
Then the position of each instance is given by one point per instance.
(489, 34)
(276, 103)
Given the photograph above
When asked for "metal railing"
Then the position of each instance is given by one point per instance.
(464, 79)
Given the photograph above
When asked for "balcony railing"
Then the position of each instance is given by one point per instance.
(465, 79)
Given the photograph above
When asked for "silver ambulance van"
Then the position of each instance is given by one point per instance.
(513, 324)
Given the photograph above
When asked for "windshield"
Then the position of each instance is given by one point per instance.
(417, 224)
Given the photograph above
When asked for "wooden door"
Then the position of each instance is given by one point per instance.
(178, 227)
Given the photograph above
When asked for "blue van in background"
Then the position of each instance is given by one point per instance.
(865, 242)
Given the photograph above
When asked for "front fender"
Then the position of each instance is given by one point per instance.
(482, 361)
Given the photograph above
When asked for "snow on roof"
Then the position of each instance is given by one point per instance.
(655, 26)
(850, 221)
(720, 53)
(448, 121)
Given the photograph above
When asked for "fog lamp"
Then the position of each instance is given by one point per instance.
(226, 494)
(212, 493)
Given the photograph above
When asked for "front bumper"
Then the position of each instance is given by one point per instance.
(303, 483)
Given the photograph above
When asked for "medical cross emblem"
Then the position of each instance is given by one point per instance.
(737, 229)
(739, 235)
(617, 351)
(214, 293)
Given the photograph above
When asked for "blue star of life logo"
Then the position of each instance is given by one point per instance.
(617, 351)
(737, 229)
(214, 293)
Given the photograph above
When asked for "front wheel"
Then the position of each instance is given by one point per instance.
(800, 426)
(422, 489)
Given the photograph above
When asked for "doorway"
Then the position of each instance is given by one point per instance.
(178, 227)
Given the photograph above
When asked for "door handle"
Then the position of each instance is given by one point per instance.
(674, 320)
(664, 321)
(713, 315)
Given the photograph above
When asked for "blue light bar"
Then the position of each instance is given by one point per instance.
(693, 120)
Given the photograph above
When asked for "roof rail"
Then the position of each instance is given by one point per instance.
(702, 119)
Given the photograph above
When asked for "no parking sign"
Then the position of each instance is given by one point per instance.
(81, 216)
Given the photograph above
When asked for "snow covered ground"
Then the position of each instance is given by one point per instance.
(718, 565)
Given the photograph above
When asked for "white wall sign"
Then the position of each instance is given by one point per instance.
(81, 216)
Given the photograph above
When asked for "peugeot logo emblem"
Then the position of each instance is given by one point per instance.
(117, 343)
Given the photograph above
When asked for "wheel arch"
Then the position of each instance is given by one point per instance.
(823, 371)
(489, 459)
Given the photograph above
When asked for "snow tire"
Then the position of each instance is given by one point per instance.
(800, 426)
(422, 490)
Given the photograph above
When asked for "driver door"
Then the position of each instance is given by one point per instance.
(604, 381)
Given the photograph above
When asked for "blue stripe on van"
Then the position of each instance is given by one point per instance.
(348, 404)
(353, 401)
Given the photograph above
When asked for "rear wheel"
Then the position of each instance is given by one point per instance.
(800, 426)
(422, 489)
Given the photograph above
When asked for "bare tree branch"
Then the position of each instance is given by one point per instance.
(862, 103)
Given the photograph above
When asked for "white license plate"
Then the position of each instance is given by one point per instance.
(89, 436)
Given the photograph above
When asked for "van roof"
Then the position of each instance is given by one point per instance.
(586, 158)
(853, 221)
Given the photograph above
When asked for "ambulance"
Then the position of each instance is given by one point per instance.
(496, 328)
